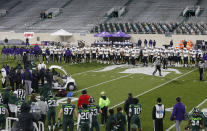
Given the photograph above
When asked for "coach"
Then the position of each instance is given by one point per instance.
(178, 113)
(83, 99)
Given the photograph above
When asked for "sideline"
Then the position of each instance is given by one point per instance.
(170, 128)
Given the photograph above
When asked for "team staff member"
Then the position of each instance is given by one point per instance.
(178, 113)
(83, 99)
(201, 66)
(68, 110)
(158, 113)
(104, 103)
(126, 109)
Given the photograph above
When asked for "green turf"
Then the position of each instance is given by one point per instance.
(117, 86)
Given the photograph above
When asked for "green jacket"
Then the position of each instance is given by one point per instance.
(104, 101)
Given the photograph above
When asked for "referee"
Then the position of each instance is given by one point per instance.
(158, 114)
(157, 66)
(201, 66)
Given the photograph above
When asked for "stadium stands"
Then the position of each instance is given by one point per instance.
(143, 16)
(153, 28)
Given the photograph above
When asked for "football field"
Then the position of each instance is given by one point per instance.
(118, 80)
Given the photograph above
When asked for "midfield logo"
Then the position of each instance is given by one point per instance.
(139, 70)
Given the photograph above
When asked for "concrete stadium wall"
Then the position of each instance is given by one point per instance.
(89, 38)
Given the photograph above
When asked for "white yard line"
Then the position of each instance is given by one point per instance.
(63, 99)
(170, 128)
(103, 83)
(156, 87)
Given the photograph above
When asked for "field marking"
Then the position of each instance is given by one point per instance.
(98, 85)
(170, 128)
(103, 83)
(86, 71)
(156, 87)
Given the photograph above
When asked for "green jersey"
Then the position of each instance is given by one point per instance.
(2, 111)
(94, 111)
(120, 122)
(68, 110)
(1, 99)
(51, 102)
(135, 109)
(111, 123)
(84, 117)
(18, 104)
(195, 122)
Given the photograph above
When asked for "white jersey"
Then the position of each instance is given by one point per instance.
(145, 53)
(41, 66)
(79, 51)
(193, 54)
(87, 50)
(137, 53)
(185, 53)
(60, 51)
(94, 50)
(106, 51)
(55, 51)
(100, 51)
(133, 53)
(127, 52)
(43, 51)
(177, 53)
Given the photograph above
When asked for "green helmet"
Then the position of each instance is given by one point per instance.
(195, 110)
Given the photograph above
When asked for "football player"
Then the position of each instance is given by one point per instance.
(1, 99)
(18, 108)
(126, 55)
(67, 110)
(185, 57)
(87, 52)
(94, 53)
(95, 109)
(195, 122)
(100, 54)
(52, 103)
(84, 118)
(133, 57)
(120, 120)
(111, 121)
(3, 114)
(145, 57)
(106, 55)
(134, 113)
